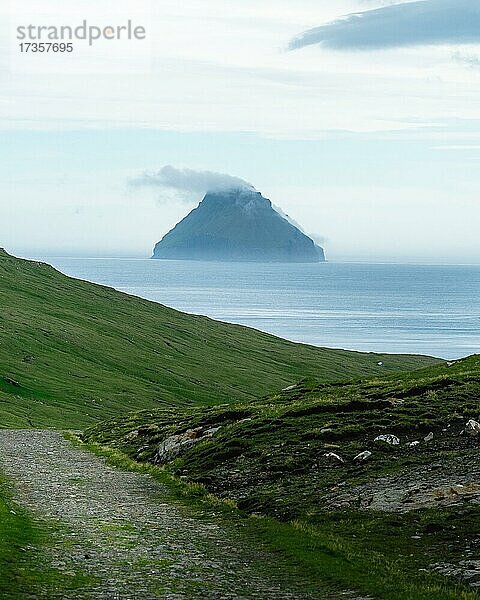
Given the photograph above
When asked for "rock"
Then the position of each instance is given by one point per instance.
(413, 444)
(334, 456)
(11, 381)
(389, 438)
(472, 427)
(429, 437)
(366, 454)
(175, 445)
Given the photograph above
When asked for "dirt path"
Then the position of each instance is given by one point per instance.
(117, 529)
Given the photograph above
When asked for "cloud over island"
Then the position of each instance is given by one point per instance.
(186, 181)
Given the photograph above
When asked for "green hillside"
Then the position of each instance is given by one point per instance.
(72, 353)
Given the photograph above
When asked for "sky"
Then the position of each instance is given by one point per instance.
(359, 118)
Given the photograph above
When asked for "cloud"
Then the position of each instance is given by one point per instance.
(185, 183)
(471, 61)
(424, 22)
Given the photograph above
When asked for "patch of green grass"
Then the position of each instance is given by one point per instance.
(73, 353)
(22, 543)
(16, 534)
(343, 555)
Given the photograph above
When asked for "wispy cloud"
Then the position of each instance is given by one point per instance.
(185, 183)
(468, 60)
(424, 22)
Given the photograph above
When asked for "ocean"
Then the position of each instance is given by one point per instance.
(421, 309)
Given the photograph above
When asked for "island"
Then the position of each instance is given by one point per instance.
(237, 225)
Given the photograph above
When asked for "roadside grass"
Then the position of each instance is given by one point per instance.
(23, 574)
(17, 533)
(346, 551)
(345, 556)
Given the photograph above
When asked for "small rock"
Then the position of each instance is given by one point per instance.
(363, 456)
(413, 444)
(472, 427)
(334, 456)
(429, 437)
(393, 440)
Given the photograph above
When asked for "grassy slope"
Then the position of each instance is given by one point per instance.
(269, 456)
(81, 352)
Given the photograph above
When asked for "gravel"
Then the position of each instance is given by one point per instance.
(118, 529)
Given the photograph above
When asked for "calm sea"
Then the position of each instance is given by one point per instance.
(373, 307)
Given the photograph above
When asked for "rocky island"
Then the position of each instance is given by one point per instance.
(237, 225)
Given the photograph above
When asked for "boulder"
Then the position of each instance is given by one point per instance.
(176, 445)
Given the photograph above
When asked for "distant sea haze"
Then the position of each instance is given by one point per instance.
(417, 309)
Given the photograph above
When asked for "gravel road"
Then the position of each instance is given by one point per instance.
(117, 529)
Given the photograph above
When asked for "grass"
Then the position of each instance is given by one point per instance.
(73, 353)
(340, 559)
(268, 458)
(16, 534)
(22, 543)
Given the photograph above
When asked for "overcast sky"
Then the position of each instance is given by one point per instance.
(359, 118)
